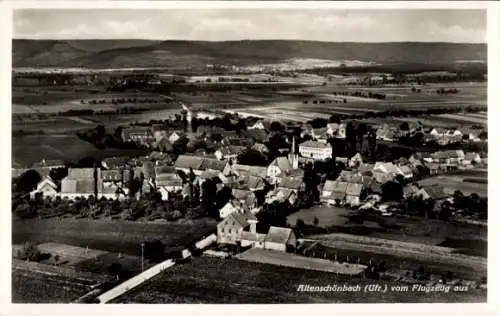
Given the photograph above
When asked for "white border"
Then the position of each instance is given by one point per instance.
(6, 308)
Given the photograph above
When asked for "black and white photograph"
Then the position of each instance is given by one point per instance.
(264, 155)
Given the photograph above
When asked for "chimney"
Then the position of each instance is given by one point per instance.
(96, 181)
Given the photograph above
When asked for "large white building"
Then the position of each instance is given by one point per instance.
(315, 150)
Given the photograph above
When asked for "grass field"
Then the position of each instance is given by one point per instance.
(216, 281)
(65, 146)
(40, 283)
(453, 182)
(327, 216)
(116, 236)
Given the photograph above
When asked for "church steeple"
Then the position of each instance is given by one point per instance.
(293, 157)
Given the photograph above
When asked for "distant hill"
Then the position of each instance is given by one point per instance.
(145, 53)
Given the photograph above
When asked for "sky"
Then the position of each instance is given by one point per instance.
(439, 25)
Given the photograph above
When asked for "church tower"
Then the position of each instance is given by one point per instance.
(293, 157)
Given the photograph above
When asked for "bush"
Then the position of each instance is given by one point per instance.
(29, 252)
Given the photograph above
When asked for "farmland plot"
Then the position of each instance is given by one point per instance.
(116, 236)
(217, 281)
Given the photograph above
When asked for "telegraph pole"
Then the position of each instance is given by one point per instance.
(142, 256)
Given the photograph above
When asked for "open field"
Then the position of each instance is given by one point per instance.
(453, 182)
(115, 236)
(419, 252)
(40, 283)
(291, 260)
(29, 149)
(216, 281)
(327, 216)
(56, 124)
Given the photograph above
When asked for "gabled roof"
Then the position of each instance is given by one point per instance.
(232, 150)
(209, 174)
(470, 156)
(335, 186)
(257, 134)
(435, 192)
(388, 166)
(168, 179)
(255, 182)
(242, 194)
(159, 170)
(148, 169)
(250, 170)
(282, 163)
(291, 183)
(81, 173)
(313, 144)
(278, 235)
(115, 162)
(405, 170)
(446, 154)
(260, 147)
(410, 189)
(213, 164)
(253, 237)
(237, 218)
(186, 162)
(294, 173)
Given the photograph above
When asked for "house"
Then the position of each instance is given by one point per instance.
(255, 183)
(333, 192)
(229, 208)
(46, 187)
(159, 132)
(434, 168)
(260, 124)
(437, 131)
(257, 135)
(315, 150)
(280, 239)
(454, 133)
(82, 182)
(49, 164)
(115, 162)
(137, 134)
(355, 161)
(341, 131)
(332, 129)
(415, 161)
(278, 166)
(386, 134)
(353, 193)
(387, 168)
(198, 164)
(295, 184)
(261, 148)
(410, 190)
(229, 152)
(471, 159)
(405, 171)
(449, 157)
(175, 136)
(247, 198)
(230, 229)
(245, 170)
(320, 134)
(167, 183)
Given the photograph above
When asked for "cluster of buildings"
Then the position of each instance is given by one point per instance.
(441, 136)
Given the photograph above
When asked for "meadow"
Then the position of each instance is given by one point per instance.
(218, 281)
(115, 236)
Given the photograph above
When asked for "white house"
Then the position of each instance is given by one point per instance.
(356, 160)
(279, 238)
(46, 186)
(471, 158)
(175, 136)
(229, 208)
(315, 150)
